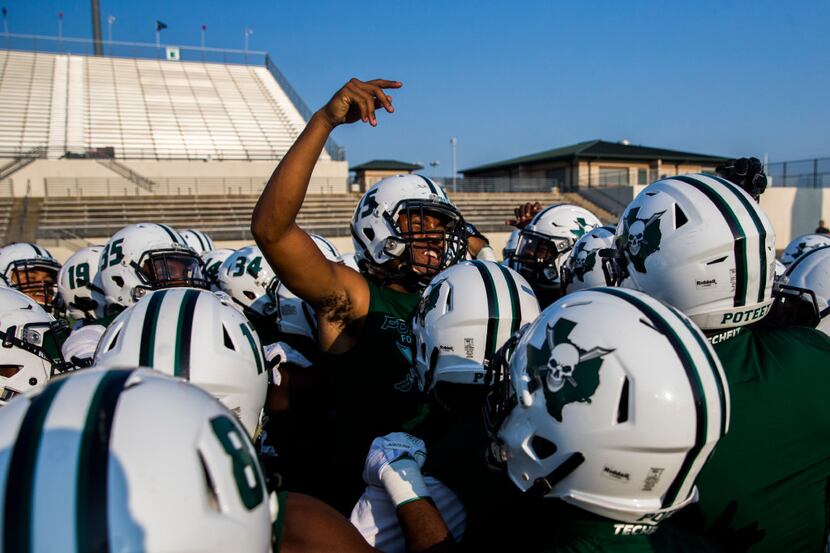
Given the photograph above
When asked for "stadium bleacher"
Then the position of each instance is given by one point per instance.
(228, 218)
(190, 143)
(142, 108)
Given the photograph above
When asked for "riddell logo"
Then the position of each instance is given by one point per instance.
(706, 283)
(615, 474)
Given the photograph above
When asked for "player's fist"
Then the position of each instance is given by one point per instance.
(388, 449)
(358, 100)
(524, 213)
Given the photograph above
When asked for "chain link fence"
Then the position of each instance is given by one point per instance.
(803, 173)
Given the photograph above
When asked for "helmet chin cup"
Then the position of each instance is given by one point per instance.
(551, 274)
(139, 292)
(394, 246)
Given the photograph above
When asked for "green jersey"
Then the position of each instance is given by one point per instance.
(766, 486)
(577, 531)
(456, 444)
(374, 385)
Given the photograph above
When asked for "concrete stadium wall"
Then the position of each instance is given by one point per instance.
(328, 176)
(792, 211)
(795, 211)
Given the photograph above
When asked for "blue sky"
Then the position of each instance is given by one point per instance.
(722, 77)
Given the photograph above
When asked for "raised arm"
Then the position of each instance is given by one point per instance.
(335, 292)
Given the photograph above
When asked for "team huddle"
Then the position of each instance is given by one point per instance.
(658, 385)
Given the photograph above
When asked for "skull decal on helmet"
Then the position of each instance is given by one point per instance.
(569, 373)
(641, 238)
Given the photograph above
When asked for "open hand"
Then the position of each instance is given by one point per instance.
(359, 100)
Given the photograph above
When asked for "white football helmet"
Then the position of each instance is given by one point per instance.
(212, 261)
(192, 334)
(348, 259)
(144, 257)
(545, 242)
(30, 339)
(325, 246)
(701, 244)
(587, 414)
(810, 273)
(247, 277)
(583, 267)
(510, 246)
(803, 244)
(466, 313)
(294, 316)
(779, 270)
(198, 240)
(379, 237)
(129, 460)
(79, 285)
(32, 270)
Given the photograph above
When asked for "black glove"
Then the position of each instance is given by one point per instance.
(748, 173)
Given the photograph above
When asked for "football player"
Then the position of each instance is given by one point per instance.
(544, 244)
(605, 437)
(199, 241)
(464, 316)
(703, 245)
(212, 261)
(194, 335)
(137, 259)
(119, 489)
(32, 270)
(84, 302)
(405, 230)
(583, 267)
(31, 340)
(801, 245)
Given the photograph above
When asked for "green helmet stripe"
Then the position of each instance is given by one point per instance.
(170, 233)
(92, 525)
(146, 351)
(252, 343)
(738, 235)
(184, 334)
(759, 226)
(430, 184)
(715, 372)
(695, 384)
(199, 238)
(492, 311)
(20, 482)
(515, 305)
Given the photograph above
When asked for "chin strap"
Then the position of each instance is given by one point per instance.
(9, 340)
(543, 485)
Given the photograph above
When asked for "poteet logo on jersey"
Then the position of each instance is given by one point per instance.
(569, 373)
(641, 237)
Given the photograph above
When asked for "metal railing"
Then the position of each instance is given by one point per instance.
(802, 173)
(68, 187)
(497, 184)
(336, 152)
(122, 49)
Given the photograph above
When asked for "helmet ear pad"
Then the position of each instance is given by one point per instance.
(394, 246)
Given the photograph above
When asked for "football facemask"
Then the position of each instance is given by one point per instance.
(170, 269)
